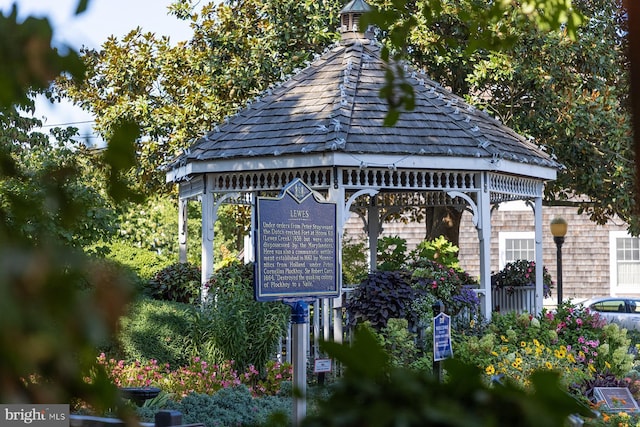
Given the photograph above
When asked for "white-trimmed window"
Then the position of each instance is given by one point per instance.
(624, 262)
(515, 245)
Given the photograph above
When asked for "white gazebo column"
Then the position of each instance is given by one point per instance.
(337, 196)
(484, 235)
(538, 249)
(482, 221)
(207, 237)
(343, 217)
(182, 230)
(373, 231)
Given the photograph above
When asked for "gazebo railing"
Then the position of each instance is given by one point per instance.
(520, 299)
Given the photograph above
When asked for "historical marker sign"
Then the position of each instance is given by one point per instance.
(296, 245)
(442, 337)
(616, 399)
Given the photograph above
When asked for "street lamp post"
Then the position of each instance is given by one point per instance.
(559, 230)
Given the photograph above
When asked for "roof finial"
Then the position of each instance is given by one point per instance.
(350, 19)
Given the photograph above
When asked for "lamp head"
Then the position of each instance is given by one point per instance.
(558, 227)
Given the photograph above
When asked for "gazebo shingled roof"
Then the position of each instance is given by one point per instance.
(334, 106)
(325, 125)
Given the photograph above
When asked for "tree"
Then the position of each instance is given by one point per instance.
(572, 97)
(50, 327)
(567, 88)
(61, 166)
(177, 93)
(239, 48)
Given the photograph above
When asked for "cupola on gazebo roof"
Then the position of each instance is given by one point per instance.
(324, 125)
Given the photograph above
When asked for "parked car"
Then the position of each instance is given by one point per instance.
(625, 311)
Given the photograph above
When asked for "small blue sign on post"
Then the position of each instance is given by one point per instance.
(296, 246)
(442, 337)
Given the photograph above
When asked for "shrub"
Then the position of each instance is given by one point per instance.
(391, 253)
(105, 270)
(233, 406)
(572, 341)
(155, 330)
(398, 342)
(439, 250)
(446, 284)
(178, 282)
(596, 344)
(382, 296)
(243, 329)
(200, 338)
(144, 262)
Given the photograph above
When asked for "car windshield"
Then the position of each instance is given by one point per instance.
(609, 306)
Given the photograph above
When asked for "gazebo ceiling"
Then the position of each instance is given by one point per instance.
(331, 114)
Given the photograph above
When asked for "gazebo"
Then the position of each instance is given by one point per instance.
(324, 125)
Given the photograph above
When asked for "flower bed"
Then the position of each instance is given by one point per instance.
(198, 377)
(573, 340)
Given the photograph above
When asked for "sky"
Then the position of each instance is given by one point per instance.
(90, 29)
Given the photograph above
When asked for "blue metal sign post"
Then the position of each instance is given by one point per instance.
(299, 322)
(296, 243)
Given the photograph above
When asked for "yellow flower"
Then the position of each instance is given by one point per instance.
(493, 353)
(536, 342)
(504, 339)
(570, 358)
(607, 364)
(548, 365)
(490, 370)
(523, 344)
